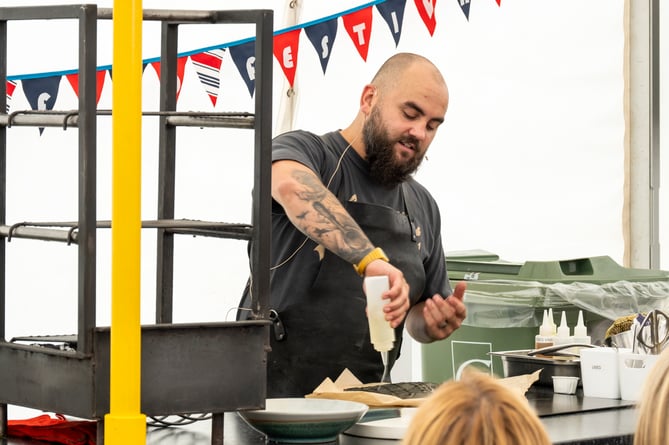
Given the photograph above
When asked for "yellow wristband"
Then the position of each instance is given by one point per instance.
(375, 254)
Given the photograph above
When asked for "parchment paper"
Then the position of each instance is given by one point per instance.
(336, 390)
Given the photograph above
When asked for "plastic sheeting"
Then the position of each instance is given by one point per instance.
(518, 304)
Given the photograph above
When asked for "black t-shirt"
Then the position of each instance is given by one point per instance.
(295, 260)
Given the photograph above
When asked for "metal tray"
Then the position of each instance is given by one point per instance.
(526, 361)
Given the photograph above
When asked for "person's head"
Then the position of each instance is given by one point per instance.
(475, 410)
(653, 408)
(402, 108)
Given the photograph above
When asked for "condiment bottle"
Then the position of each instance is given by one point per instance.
(580, 331)
(545, 337)
(380, 331)
(562, 336)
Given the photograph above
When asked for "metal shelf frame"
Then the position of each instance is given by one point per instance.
(228, 358)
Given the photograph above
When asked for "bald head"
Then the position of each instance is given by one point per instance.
(400, 65)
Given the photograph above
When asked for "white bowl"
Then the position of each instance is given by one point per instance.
(300, 420)
(565, 384)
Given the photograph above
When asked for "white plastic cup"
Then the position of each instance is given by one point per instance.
(380, 331)
(563, 384)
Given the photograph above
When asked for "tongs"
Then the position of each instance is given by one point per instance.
(653, 332)
(558, 350)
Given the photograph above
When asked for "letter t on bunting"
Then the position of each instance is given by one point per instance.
(358, 25)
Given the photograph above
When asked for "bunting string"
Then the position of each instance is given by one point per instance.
(41, 89)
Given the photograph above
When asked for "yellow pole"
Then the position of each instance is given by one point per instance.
(125, 425)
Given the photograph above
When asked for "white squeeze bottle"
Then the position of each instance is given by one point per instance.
(545, 337)
(581, 332)
(380, 331)
(562, 336)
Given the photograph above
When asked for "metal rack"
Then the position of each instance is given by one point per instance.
(76, 381)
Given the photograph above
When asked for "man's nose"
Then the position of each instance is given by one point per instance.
(418, 131)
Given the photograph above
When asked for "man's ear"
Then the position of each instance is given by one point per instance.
(367, 99)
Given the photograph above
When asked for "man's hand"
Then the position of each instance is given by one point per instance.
(398, 292)
(443, 316)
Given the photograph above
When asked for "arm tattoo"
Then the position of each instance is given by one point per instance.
(325, 220)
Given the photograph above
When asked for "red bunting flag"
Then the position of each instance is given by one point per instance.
(208, 68)
(499, 2)
(286, 46)
(358, 25)
(99, 83)
(181, 67)
(426, 12)
(11, 86)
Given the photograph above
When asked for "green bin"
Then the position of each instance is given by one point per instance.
(506, 301)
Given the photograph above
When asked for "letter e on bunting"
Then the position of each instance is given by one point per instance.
(426, 12)
(208, 68)
(285, 50)
(358, 25)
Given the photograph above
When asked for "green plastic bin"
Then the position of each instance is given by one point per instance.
(506, 301)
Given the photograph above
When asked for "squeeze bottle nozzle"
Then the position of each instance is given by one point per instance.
(380, 331)
(546, 329)
(563, 329)
(551, 320)
(580, 330)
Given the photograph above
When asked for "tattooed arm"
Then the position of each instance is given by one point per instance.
(317, 213)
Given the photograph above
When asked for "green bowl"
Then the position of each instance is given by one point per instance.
(300, 420)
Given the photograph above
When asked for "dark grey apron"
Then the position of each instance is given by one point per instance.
(315, 345)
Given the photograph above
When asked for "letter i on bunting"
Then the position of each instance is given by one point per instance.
(285, 50)
(208, 68)
(392, 12)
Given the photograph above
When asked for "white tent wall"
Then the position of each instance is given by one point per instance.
(529, 163)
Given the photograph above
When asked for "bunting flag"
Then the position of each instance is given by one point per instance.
(42, 90)
(41, 93)
(286, 47)
(322, 37)
(243, 55)
(464, 5)
(208, 68)
(426, 11)
(11, 86)
(99, 83)
(392, 11)
(181, 68)
(358, 25)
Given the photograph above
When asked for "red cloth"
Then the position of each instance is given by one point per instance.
(56, 430)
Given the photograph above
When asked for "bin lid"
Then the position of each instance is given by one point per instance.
(479, 265)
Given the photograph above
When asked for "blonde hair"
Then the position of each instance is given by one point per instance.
(652, 427)
(475, 410)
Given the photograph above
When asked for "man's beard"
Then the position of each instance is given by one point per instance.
(384, 166)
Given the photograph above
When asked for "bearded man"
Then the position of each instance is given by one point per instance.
(345, 207)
